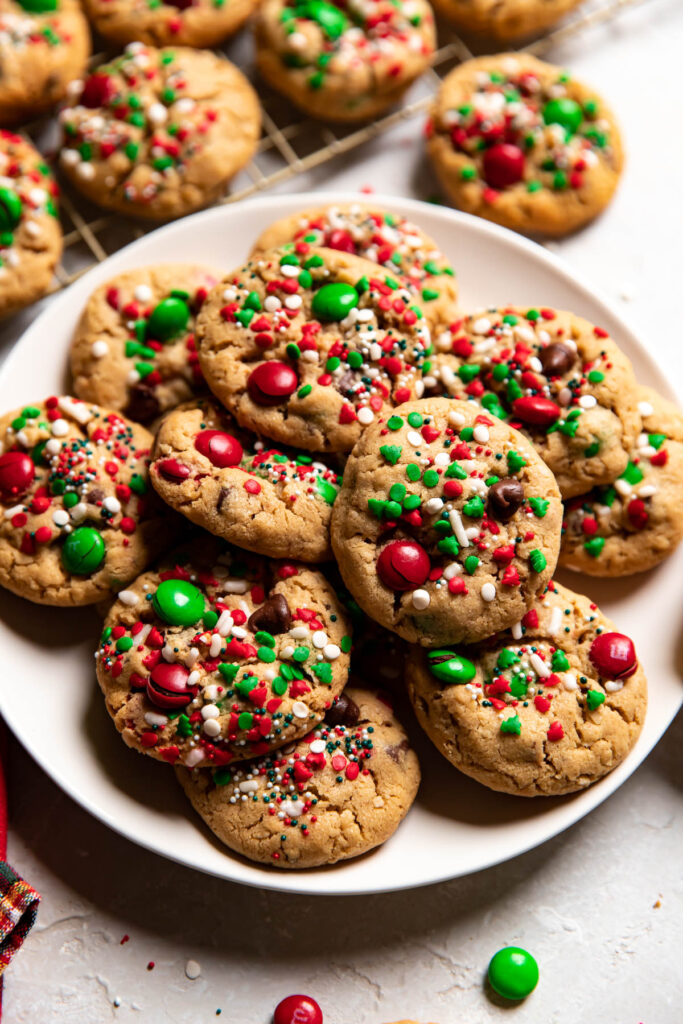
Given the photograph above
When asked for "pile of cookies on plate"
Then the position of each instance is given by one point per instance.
(291, 482)
(160, 130)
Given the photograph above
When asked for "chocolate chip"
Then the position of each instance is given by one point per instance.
(222, 495)
(344, 711)
(397, 751)
(557, 359)
(273, 616)
(142, 404)
(505, 497)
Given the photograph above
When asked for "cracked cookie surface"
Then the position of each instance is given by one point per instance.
(340, 791)
(546, 708)
(504, 20)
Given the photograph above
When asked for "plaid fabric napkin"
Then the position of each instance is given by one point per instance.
(18, 909)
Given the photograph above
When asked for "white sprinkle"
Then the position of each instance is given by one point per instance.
(482, 325)
(293, 302)
(569, 682)
(614, 685)
(129, 598)
(209, 711)
(456, 419)
(588, 401)
(318, 747)
(645, 409)
(78, 411)
(319, 638)
(290, 270)
(143, 293)
(99, 348)
(415, 439)
(60, 428)
(60, 517)
(299, 632)
(192, 968)
(421, 599)
(272, 304)
(458, 528)
(85, 171)
(212, 728)
(480, 433)
(331, 652)
(433, 506)
(248, 786)
(194, 757)
(192, 657)
(299, 709)
(555, 621)
(157, 113)
(236, 586)
(539, 666)
(215, 646)
(154, 718)
(365, 415)
(112, 504)
(225, 623)
(623, 487)
(451, 570)
(516, 630)
(488, 592)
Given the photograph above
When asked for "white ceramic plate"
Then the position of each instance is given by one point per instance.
(48, 692)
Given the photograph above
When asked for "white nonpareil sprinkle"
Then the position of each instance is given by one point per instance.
(60, 428)
(488, 592)
(99, 348)
(365, 415)
(421, 599)
(299, 709)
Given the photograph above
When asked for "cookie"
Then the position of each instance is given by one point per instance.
(523, 144)
(134, 347)
(558, 378)
(383, 237)
(309, 347)
(79, 519)
(447, 524)
(218, 655)
(504, 20)
(631, 525)
(343, 63)
(44, 45)
(30, 234)
(243, 489)
(172, 23)
(340, 791)
(159, 133)
(546, 708)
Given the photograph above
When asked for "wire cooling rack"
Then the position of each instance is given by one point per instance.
(291, 143)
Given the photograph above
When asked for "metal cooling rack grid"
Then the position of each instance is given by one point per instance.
(291, 144)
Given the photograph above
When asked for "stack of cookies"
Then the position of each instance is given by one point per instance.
(233, 436)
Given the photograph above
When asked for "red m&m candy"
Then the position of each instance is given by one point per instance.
(271, 383)
(536, 410)
(167, 686)
(503, 165)
(298, 1010)
(97, 90)
(16, 474)
(340, 240)
(614, 655)
(220, 448)
(403, 565)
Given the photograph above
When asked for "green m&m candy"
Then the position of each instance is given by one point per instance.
(513, 973)
(449, 667)
(331, 20)
(39, 6)
(83, 551)
(168, 319)
(178, 602)
(334, 301)
(10, 209)
(563, 111)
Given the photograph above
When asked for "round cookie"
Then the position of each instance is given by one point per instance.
(340, 791)
(241, 488)
(134, 347)
(218, 654)
(447, 524)
(79, 519)
(159, 133)
(30, 234)
(380, 236)
(521, 143)
(344, 63)
(310, 347)
(44, 45)
(631, 525)
(504, 20)
(558, 378)
(546, 708)
(169, 22)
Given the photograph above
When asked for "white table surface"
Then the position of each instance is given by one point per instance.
(600, 906)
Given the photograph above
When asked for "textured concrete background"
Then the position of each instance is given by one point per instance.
(600, 906)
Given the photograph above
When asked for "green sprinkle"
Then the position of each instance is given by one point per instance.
(539, 506)
(511, 725)
(594, 546)
(471, 563)
(594, 698)
(391, 452)
(537, 560)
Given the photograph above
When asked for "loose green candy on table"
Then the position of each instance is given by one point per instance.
(513, 973)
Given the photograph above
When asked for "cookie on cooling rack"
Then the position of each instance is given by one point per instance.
(342, 63)
(340, 791)
(168, 22)
(134, 347)
(381, 236)
(159, 133)
(44, 45)
(522, 143)
(504, 20)
(547, 707)
(30, 233)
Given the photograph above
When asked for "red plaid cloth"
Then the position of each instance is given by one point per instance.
(18, 909)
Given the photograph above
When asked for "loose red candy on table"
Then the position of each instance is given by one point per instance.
(298, 1009)
(614, 655)
(403, 565)
(220, 448)
(536, 410)
(16, 474)
(167, 686)
(503, 165)
(271, 383)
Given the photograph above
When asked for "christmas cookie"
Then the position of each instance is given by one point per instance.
(134, 348)
(344, 63)
(632, 524)
(548, 707)
(504, 20)
(238, 487)
(308, 347)
(159, 133)
(447, 524)
(522, 143)
(559, 379)
(168, 22)
(30, 235)
(78, 518)
(44, 45)
(218, 654)
(380, 236)
(337, 793)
